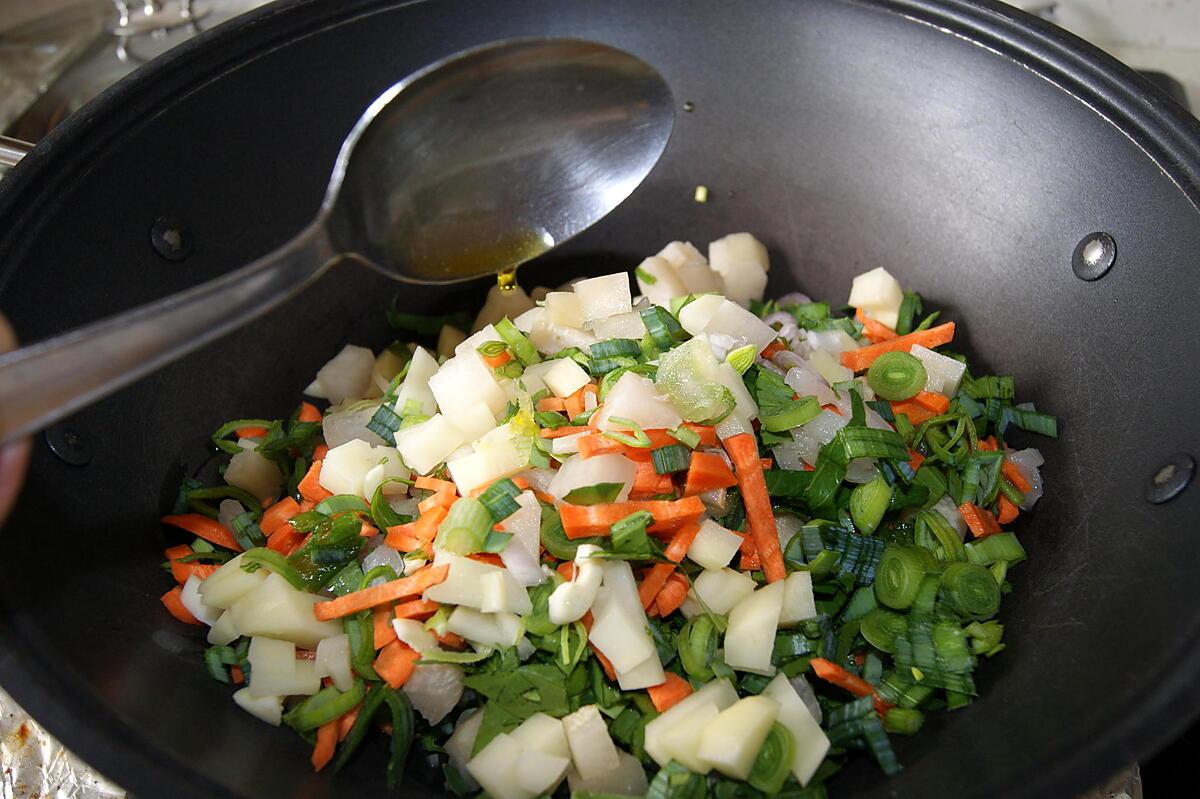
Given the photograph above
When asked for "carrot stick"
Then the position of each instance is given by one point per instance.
(565, 430)
(395, 663)
(1015, 476)
(452, 641)
(574, 404)
(580, 521)
(285, 540)
(419, 609)
(930, 401)
(236, 675)
(327, 738)
(436, 485)
(203, 527)
(672, 595)
(707, 471)
(278, 514)
(346, 722)
(551, 404)
(987, 444)
(605, 663)
(743, 450)
(400, 541)
(308, 413)
(915, 459)
(656, 577)
(173, 602)
(670, 693)
(750, 560)
(566, 570)
(876, 331)
(981, 522)
(423, 529)
(600, 444)
(498, 360)
(441, 498)
(250, 432)
(915, 413)
(181, 571)
(1006, 511)
(773, 349)
(310, 487)
(682, 542)
(648, 483)
(488, 558)
(834, 674)
(860, 359)
(388, 592)
(381, 622)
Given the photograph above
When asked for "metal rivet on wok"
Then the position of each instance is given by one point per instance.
(1094, 256)
(1171, 478)
(70, 447)
(170, 239)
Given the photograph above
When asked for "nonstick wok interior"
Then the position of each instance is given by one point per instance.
(845, 135)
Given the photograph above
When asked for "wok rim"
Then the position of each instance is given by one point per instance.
(1152, 120)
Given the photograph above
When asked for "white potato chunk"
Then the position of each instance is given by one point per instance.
(538, 772)
(465, 380)
(464, 582)
(274, 670)
(224, 631)
(647, 673)
(741, 261)
(344, 467)
(627, 779)
(415, 387)
(502, 302)
(250, 471)
(230, 583)
(387, 365)
(503, 594)
(413, 634)
(942, 374)
(578, 471)
(753, 622)
(434, 689)
(714, 546)
(277, 610)
(734, 321)
(731, 740)
(696, 315)
(190, 597)
(605, 296)
(495, 768)
(638, 399)
(658, 282)
(622, 325)
(462, 741)
(700, 279)
(565, 377)
(592, 750)
(423, 446)
(348, 374)
(549, 338)
(333, 661)
(878, 295)
(810, 740)
(721, 589)
(719, 692)
(798, 601)
(682, 741)
(543, 733)
(562, 308)
(489, 629)
(681, 253)
(620, 636)
(266, 708)
(829, 367)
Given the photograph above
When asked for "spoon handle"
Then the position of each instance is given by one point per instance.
(44, 382)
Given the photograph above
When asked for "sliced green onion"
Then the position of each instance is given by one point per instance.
(499, 499)
(215, 665)
(904, 427)
(897, 376)
(637, 436)
(491, 349)
(990, 549)
(645, 276)
(248, 500)
(741, 359)
(362, 724)
(526, 353)
(868, 503)
(777, 419)
(674, 780)
(601, 366)
(597, 494)
(773, 765)
(972, 590)
(1011, 492)
(615, 347)
(360, 630)
(903, 721)
(825, 480)
(381, 512)
(910, 306)
(342, 503)
(402, 735)
(1031, 421)
(670, 459)
(862, 602)
(809, 315)
(882, 627)
(985, 637)
(323, 707)
(254, 559)
(222, 433)
(867, 442)
(384, 423)
(496, 542)
(629, 534)
(899, 575)
(465, 528)
(928, 321)
(448, 656)
(551, 420)
(663, 328)
(697, 644)
(999, 387)
(511, 370)
(687, 437)
(247, 532)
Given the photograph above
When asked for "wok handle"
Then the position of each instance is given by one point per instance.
(44, 382)
(12, 151)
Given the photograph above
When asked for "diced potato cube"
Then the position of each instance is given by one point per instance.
(267, 708)
(565, 377)
(721, 589)
(465, 380)
(461, 742)
(681, 253)
(628, 779)
(538, 772)
(543, 733)
(714, 546)
(230, 583)
(250, 471)
(333, 661)
(592, 750)
(743, 327)
(413, 634)
(798, 601)
(719, 692)
(277, 610)
(503, 594)
(696, 315)
(753, 622)
(620, 637)
(943, 374)
(491, 629)
(602, 297)
(502, 302)
(224, 631)
(578, 471)
(344, 467)
(700, 279)
(682, 741)
(878, 295)
(731, 741)
(464, 582)
(562, 308)
(622, 325)
(742, 262)
(415, 387)
(274, 670)
(637, 398)
(811, 742)
(495, 768)
(348, 374)
(658, 282)
(423, 446)
(829, 367)
(474, 421)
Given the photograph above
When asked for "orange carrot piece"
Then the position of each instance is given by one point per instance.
(250, 432)
(171, 553)
(173, 602)
(498, 360)
(488, 558)
(551, 404)
(346, 722)
(423, 529)
(574, 404)
(419, 609)
(987, 444)
(980, 521)
(580, 521)
(605, 663)
(672, 595)
(600, 444)
(1006, 511)
(915, 459)
(656, 577)
(1015, 476)
(743, 450)
(566, 430)
(310, 487)
(441, 498)
(670, 693)
(401, 541)
(773, 349)
(682, 542)
(930, 401)
(648, 483)
(203, 527)
(278, 514)
(182, 571)
(381, 621)
(236, 675)
(368, 530)
(834, 674)
(308, 413)
(915, 413)
(327, 738)
(452, 641)
(395, 663)
(860, 360)
(285, 540)
(436, 485)
(750, 560)
(875, 330)
(707, 471)
(388, 592)
(566, 570)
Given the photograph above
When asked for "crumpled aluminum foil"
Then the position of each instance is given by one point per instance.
(33, 765)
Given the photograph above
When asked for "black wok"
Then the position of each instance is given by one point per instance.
(967, 147)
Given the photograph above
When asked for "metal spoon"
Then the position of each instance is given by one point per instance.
(471, 166)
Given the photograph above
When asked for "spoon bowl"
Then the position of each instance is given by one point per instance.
(473, 165)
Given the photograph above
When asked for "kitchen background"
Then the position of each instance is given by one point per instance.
(55, 55)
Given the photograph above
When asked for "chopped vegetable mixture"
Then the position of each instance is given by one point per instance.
(681, 544)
